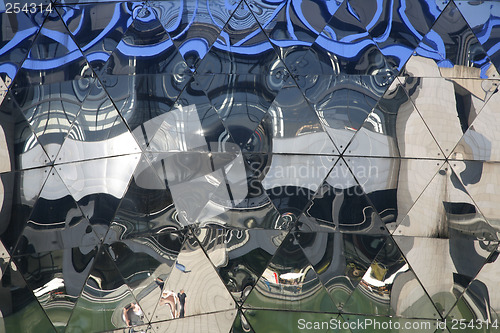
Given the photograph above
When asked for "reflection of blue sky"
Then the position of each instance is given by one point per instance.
(487, 14)
(144, 51)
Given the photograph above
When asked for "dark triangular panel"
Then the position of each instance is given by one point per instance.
(146, 48)
(296, 127)
(22, 149)
(144, 100)
(98, 28)
(344, 46)
(193, 26)
(146, 207)
(240, 256)
(18, 33)
(56, 222)
(22, 190)
(340, 260)
(97, 186)
(54, 57)
(290, 283)
(195, 276)
(242, 48)
(343, 102)
(98, 130)
(455, 263)
(55, 282)
(206, 323)
(202, 128)
(480, 141)
(390, 288)
(450, 49)
(21, 311)
(394, 128)
(340, 203)
(106, 302)
(292, 181)
(396, 26)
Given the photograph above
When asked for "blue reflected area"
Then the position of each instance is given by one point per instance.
(53, 57)
(18, 32)
(145, 48)
(98, 28)
(396, 26)
(484, 19)
(242, 48)
(194, 25)
(451, 42)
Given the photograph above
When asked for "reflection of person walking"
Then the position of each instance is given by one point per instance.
(182, 299)
(132, 315)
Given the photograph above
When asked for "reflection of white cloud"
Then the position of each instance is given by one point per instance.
(179, 130)
(309, 143)
(75, 150)
(110, 176)
(210, 180)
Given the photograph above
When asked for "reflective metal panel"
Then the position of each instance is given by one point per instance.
(455, 263)
(340, 260)
(57, 279)
(97, 28)
(184, 293)
(240, 256)
(290, 283)
(20, 309)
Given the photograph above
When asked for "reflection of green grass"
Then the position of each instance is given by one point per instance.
(361, 303)
(311, 297)
(91, 317)
(286, 321)
(29, 319)
(463, 311)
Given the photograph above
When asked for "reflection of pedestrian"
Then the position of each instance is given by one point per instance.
(170, 298)
(160, 283)
(132, 315)
(267, 284)
(182, 300)
(181, 267)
